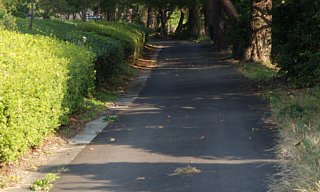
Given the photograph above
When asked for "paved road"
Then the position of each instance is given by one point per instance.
(193, 111)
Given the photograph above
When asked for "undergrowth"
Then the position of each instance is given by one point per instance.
(297, 114)
(257, 72)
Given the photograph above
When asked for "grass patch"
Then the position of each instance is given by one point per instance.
(297, 114)
(92, 108)
(111, 118)
(257, 72)
(44, 184)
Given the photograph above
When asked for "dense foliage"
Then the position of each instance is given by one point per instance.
(113, 43)
(43, 80)
(7, 21)
(296, 36)
(46, 72)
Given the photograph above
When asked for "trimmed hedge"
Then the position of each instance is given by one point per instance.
(131, 36)
(43, 80)
(45, 73)
(113, 43)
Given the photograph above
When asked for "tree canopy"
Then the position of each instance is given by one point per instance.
(285, 33)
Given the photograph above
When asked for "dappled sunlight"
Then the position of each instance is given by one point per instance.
(146, 156)
(188, 107)
(145, 110)
(191, 114)
(190, 67)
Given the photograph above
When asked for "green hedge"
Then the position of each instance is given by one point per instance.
(113, 43)
(132, 38)
(46, 72)
(43, 80)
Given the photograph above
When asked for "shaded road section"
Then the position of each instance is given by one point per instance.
(192, 111)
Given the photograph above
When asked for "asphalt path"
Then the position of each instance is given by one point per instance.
(193, 113)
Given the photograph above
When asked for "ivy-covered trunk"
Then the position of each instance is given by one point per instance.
(259, 49)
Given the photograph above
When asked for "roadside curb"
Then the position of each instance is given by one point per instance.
(67, 153)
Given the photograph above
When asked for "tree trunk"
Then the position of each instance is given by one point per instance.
(229, 8)
(206, 9)
(259, 49)
(163, 21)
(213, 18)
(215, 14)
(31, 15)
(84, 11)
(180, 24)
(149, 17)
(194, 25)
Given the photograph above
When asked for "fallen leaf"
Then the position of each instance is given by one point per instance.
(112, 140)
(140, 178)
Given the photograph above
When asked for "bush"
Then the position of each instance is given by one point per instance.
(7, 21)
(113, 43)
(46, 73)
(296, 42)
(43, 80)
(132, 37)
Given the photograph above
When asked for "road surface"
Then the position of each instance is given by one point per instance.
(193, 113)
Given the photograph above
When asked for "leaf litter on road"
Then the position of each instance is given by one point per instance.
(188, 170)
(112, 140)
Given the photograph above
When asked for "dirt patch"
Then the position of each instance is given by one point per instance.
(13, 173)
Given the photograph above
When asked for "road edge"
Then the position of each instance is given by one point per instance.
(67, 153)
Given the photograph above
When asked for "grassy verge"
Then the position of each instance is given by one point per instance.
(92, 108)
(257, 72)
(297, 114)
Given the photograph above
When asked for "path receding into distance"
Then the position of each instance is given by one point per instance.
(192, 111)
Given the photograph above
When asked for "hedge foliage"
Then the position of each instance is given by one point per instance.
(45, 73)
(43, 80)
(128, 34)
(113, 43)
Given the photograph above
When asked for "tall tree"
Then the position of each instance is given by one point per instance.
(213, 13)
(181, 20)
(259, 48)
(31, 13)
(194, 25)
(84, 10)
